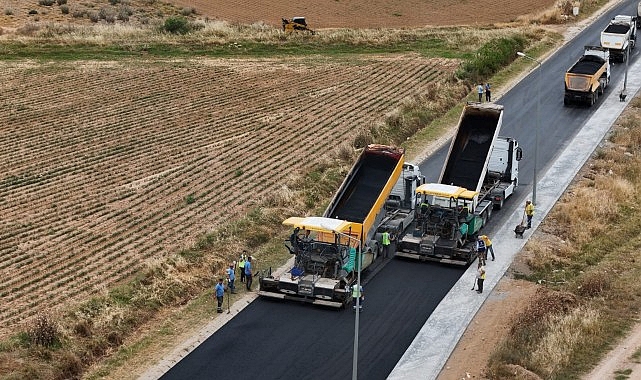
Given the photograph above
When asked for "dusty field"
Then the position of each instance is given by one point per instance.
(327, 14)
(108, 165)
(369, 13)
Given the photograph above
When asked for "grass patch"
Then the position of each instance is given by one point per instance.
(220, 39)
(585, 253)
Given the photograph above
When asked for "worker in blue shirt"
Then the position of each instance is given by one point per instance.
(231, 277)
(220, 293)
(248, 273)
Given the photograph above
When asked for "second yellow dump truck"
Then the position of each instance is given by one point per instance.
(587, 79)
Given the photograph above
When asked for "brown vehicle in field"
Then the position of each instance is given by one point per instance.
(296, 23)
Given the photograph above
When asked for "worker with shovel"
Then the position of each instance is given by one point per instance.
(220, 293)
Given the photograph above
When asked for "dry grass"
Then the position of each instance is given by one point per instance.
(562, 12)
(585, 254)
(564, 333)
(460, 39)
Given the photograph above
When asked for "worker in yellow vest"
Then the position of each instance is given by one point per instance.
(241, 266)
(480, 277)
(386, 241)
(529, 212)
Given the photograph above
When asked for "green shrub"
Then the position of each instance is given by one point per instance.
(177, 25)
(490, 58)
(64, 9)
(47, 3)
(62, 2)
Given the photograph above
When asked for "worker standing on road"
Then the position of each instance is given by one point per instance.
(488, 245)
(480, 91)
(480, 277)
(248, 273)
(241, 266)
(386, 241)
(358, 294)
(220, 293)
(529, 212)
(481, 250)
(231, 277)
(488, 93)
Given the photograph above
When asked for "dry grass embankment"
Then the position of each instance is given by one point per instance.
(587, 256)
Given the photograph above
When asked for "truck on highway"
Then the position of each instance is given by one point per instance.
(639, 15)
(480, 172)
(588, 77)
(620, 36)
(378, 194)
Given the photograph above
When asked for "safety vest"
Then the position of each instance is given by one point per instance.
(529, 209)
(386, 240)
(486, 240)
(241, 264)
(355, 291)
(480, 245)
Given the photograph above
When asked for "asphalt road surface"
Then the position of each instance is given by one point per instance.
(287, 340)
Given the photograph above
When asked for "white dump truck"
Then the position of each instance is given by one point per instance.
(480, 172)
(620, 36)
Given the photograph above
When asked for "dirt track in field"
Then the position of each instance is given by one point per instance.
(369, 13)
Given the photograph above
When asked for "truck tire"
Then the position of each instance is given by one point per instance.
(566, 102)
(499, 205)
(484, 218)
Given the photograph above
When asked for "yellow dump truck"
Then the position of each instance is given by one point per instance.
(329, 250)
(587, 79)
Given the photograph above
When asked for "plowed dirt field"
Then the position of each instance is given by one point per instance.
(107, 165)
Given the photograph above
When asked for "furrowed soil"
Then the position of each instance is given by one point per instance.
(109, 165)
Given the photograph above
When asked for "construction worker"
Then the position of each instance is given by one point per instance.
(358, 294)
(231, 277)
(480, 277)
(386, 241)
(488, 245)
(241, 266)
(529, 212)
(481, 250)
(220, 293)
(248, 273)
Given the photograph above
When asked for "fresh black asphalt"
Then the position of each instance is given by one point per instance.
(286, 340)
(289, 340)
